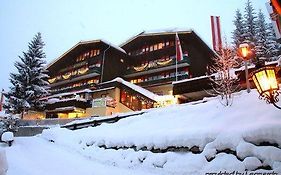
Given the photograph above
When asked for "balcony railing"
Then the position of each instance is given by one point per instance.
(156, 65)
(70, 89)
(163, 80)
(67, 103)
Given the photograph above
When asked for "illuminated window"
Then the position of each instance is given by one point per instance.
(151, 48)
(160, 45)
(155, 47)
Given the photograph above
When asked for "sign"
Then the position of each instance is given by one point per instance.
(104, 102)
(100, 102)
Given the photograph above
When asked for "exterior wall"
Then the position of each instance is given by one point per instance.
(166, 89)
(104, 111)
(114, 64)
(32, 115)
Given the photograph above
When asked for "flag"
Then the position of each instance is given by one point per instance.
(179, 55)
(1, 100)
(216, 33)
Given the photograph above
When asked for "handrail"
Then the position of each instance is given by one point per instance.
(98, 122)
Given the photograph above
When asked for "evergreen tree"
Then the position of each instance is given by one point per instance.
(250, 23)
(273, 47)
(238, 33)
(29, 83)
(261, 36)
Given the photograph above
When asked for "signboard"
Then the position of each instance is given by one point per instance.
(104, 102)
(100, 102)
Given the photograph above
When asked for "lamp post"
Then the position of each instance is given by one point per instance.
(246, 53)
(267, 85)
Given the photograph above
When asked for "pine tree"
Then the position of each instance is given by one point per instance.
(238, 33)
(250, 23)
(261, 36)
(29, 83)
(273, 47)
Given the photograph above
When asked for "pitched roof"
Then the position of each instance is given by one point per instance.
(82, 43)
(157, 32)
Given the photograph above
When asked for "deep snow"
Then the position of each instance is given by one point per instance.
(245, 136)
(194, 138)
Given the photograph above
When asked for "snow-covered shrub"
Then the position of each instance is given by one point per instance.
(9, 123)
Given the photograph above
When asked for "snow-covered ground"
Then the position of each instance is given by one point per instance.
(36, 156)
(181, 139)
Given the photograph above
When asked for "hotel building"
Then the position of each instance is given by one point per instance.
(98, 78)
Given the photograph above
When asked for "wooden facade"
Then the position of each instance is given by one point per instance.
(147, 60)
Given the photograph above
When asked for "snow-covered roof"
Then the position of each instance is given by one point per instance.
(253, 66)
(56, 100)
(191, 79)
(114, 46)
(158, 32)
(69, 93)
(137, 88)
(85, 42)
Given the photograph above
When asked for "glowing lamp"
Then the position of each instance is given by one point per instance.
(267, 85)
(245, 51)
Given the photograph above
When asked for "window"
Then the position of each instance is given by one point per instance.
(160, 45)
(155, 47)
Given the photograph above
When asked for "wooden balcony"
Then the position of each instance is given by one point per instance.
(68, 103)
(158, 68)
(77, 88)
(162, 80)
(95, 71)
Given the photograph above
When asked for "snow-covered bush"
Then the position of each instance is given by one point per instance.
(9, 123)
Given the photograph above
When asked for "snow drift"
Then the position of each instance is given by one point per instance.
(186, 139)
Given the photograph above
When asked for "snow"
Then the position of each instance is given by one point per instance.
(191, 79)
(69, 93)
(55, 100)
(33, 156)
(92, 119)
(7, 136)
(137, 88)
(2, 114)
(161, 141)
(3, 162)
(114, 46)
(210, 126)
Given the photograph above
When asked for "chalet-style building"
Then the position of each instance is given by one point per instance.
(98, 78)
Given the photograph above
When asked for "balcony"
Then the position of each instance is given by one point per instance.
(92, 72)
(156, 66)
(163, 80)
(71, 89)
(68, 103)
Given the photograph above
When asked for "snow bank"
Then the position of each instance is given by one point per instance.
(7, 136)
(186, 139)
(3, 162)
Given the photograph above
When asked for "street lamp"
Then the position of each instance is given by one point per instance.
(246, 53)
(267, 86)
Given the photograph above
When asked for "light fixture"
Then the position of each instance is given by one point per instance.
(267, 85)
(246, 52)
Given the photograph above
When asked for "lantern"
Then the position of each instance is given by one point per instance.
(266, 84)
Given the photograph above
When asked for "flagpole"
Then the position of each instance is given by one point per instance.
(176, 42)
